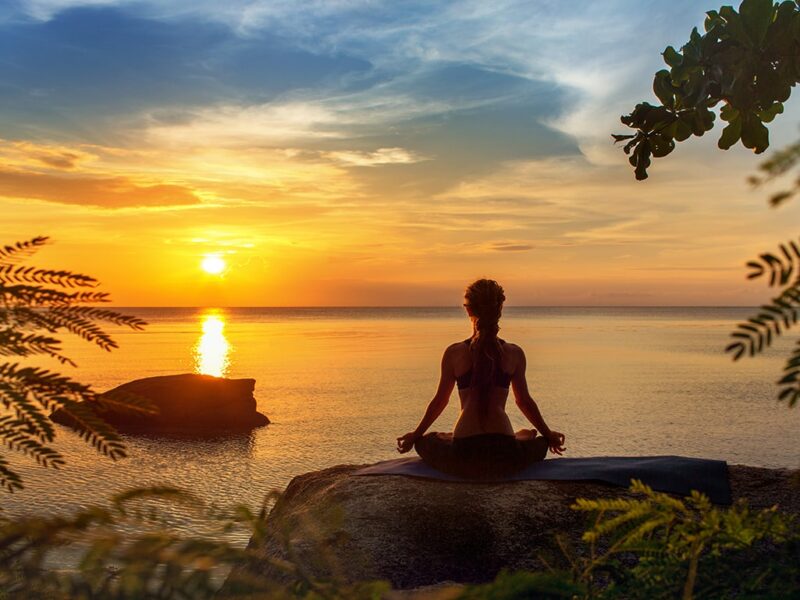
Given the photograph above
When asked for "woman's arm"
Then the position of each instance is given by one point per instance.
(529, 408)
(447, 381)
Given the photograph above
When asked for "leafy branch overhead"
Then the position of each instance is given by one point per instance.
(35, 305)
(746, 61)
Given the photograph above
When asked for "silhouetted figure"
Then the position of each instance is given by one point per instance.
(483, 444)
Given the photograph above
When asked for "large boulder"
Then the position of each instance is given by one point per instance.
(416, 532)
(187, 403)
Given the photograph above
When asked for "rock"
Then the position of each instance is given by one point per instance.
(416, 532)
(188, 403)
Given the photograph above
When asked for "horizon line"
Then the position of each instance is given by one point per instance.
(366, 306)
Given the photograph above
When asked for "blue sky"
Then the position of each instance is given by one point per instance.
(69, 65)
(443, 129)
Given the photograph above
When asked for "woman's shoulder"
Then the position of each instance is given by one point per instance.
(456, 347)
(511, 347)
(514, 354)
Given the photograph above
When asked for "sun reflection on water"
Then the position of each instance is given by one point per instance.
(212, 350)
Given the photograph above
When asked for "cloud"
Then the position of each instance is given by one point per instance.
(246, 126)
(510, 247)
(106, 192)
(381, 156)
(22, 153)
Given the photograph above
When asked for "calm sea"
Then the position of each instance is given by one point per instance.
(341, 384)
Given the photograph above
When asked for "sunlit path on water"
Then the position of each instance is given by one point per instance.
(212, 352)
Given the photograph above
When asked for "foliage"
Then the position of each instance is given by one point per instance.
(747, 61)
(656, 546)
(649, 546)
(35, 304)
(130, 550)
(773, 319)
(776, 166)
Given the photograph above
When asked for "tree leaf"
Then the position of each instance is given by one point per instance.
(731, 134)
(672, 57)
(754, 135)
(734, 26)
(662, 88)
(768, 114)
(756, 18)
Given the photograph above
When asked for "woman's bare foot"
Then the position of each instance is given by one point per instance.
(525, 434)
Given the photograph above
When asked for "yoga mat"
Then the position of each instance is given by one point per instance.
(673, 474)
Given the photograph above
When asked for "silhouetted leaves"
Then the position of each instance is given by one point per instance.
(687, 548)
(774, 319)
(36, 304)
(747, 60)
(778, 165)
(130, 549)
(20, 250)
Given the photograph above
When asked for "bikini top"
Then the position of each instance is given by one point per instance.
(501, 378)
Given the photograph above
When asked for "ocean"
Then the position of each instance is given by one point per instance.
(340, 384)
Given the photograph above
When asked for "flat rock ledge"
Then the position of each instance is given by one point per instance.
(415, 532)
(188, 403)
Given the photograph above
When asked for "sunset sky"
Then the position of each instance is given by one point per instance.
(367, 153)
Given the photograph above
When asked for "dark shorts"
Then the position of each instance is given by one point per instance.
(484, 456)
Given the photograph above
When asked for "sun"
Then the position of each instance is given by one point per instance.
(213, 264)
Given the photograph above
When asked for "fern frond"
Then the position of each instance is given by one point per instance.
(94, 430)
(16, 343)
(79, 320)
(20, 250)
(780, 267)
(9, 479)
(40, 296)
(791, 378)
(776, 166)
(36, 303)
(14, 434)
(34, 419)
(23, 317)
(10, 273)
(606, 504)
(82, 327)
(99, 314)
(117, 400)
(614, 523)
(774, 319)
(43, 382)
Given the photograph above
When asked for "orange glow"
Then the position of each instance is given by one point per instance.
(212, 349)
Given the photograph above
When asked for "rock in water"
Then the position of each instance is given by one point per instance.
(416, 532)
(187, 403)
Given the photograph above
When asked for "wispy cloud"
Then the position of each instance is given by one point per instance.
(381, 156)
(106, 192)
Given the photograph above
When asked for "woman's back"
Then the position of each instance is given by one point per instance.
(483, 415)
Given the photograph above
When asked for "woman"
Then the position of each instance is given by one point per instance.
(483, 444)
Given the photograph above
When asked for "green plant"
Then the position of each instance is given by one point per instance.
(747, 62)
(36, 304)
(657, 546)
(689, 548)
(773, 319)
(130, 549)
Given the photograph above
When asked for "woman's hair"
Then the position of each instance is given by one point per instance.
(485, 299)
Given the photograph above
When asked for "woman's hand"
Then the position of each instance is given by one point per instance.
(555, 440)
(406, 442)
